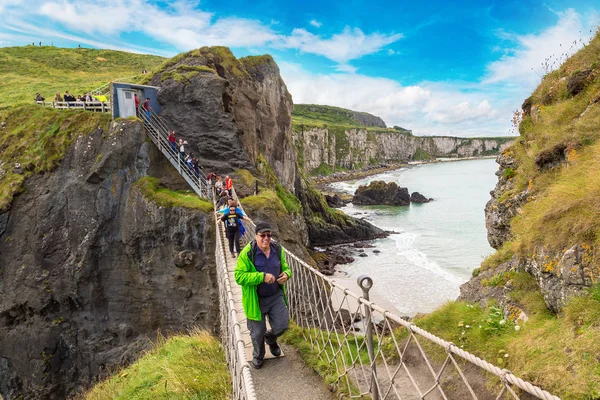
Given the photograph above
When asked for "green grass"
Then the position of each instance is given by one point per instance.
(191, 366)
(322, 169)
(326, 114)
(265, 199)
(151, 189)
(556, 352)
(47, 70)
(38, 138)
(328, 364)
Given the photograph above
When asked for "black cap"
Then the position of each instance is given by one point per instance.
(263, 227)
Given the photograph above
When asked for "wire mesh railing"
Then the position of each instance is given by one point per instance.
(158, 132)
(372, 352)
(231, 333)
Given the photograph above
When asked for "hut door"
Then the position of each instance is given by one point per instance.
(126, 103)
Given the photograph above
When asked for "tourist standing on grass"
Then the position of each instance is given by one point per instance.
(232, 229)
(58, 97)
(261, 271)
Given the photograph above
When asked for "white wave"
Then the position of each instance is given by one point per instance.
(404, 245)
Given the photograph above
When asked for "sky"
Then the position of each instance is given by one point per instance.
(457, 68)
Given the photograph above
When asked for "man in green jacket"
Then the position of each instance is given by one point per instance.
(262, 271)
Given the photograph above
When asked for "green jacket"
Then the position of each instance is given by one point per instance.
(249, 278)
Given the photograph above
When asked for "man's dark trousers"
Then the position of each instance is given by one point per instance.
(279, 318)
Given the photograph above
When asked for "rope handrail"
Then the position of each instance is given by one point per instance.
(316, 302)
(231, 334)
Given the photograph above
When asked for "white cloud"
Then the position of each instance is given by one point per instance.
(184, 26)
(8, 3)
(427, 109)
(315, 23)
(391, 52)
(342, 47)
(526, 63)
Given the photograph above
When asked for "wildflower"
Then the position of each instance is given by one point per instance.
(467, 326)
(502, 322)
(517, 328)
(506, 355)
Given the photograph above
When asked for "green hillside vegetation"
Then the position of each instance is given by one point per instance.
(558, 161)
(189, 366)
(47, 70)
(563, 209)
(35, 140)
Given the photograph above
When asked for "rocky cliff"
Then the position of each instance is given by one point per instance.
(543, 214)
(230, 111)
(90, 269)
(354, 147)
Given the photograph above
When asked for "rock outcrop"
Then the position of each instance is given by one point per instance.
(500, 210)
(417, 197)
(230, 111)
(352, 148)
(90, 269)
(381, 193)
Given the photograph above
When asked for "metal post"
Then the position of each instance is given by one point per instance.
(366, 284)
(255, 187)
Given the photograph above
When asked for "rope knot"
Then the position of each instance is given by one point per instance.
(449, 346)
(503, 374)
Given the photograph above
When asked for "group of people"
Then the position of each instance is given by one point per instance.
(262, 271)
(87, 97)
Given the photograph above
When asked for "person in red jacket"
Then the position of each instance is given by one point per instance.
(228, 184)
(173, 141)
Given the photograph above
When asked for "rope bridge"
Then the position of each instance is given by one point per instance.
(371, 351)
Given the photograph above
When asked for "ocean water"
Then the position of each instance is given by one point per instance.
(438, 244)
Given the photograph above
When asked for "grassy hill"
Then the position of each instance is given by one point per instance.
(183, 367)
(30, 69)
(557, 161)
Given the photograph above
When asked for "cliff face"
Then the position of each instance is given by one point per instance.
(349, 148)
(229, 110)
(88, 267)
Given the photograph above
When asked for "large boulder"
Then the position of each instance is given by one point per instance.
(381, 193)
(417, 197)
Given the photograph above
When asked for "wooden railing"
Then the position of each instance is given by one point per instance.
(97, 106)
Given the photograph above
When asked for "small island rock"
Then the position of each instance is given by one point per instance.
(381, 193)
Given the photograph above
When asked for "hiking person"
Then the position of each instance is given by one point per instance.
(232, 229)
(196, 166)
(69, 97)
(218, 185)
(38, 97)
(228, 184)
(172, 141)
(182, 149)
(58, 97)
(147, 108)
(137, 104)
(223, 197)
(261, 271)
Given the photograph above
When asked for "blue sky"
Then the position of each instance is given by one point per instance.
(438, 67)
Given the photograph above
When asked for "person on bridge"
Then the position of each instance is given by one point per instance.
(58, 97)
(232, 228)
(262, 272)
(229, 184)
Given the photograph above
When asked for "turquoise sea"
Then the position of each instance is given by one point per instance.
(438, 244)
